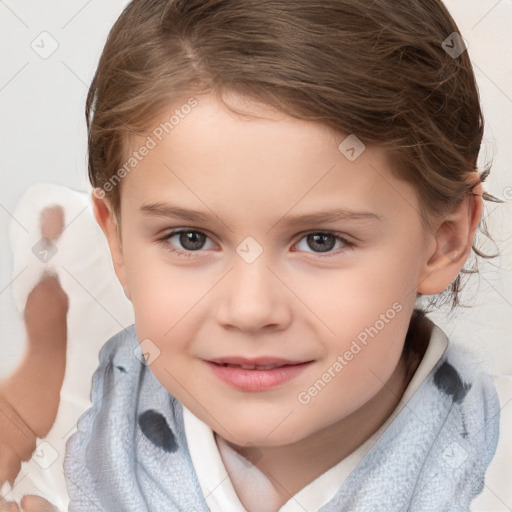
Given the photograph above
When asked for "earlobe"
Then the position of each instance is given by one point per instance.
(453, 241)
(106, 219)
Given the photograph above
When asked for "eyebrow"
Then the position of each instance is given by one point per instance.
(169, 210)
(327, 216)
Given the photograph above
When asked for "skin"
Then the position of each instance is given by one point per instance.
(29, 398)
(249, 175)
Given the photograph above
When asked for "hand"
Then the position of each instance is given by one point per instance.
(28, 504)
(29, 398)
(45, 315)
(17, 441)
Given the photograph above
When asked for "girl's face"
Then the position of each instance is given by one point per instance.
(292, 251)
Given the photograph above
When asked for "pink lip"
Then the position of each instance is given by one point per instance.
(257, 361)
(256, 380)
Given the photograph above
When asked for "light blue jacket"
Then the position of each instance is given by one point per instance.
(130, 452)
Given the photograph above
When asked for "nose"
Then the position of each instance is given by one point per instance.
(253, 297)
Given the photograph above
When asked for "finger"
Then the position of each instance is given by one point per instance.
(8, 506)
(37, 504)
(10, 464)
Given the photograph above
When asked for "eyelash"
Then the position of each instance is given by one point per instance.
(190, 254)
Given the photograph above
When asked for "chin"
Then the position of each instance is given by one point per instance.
(245, 436)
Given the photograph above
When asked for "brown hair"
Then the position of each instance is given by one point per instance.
(375, 68)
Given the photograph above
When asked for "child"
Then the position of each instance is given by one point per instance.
(278, 183)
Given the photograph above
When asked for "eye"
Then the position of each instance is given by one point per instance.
(324, 242)
(193, 241)
(190, 240)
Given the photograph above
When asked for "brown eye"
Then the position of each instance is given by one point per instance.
(320, 242)
(185, 242)
(191, 240)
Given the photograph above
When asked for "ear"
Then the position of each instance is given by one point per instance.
(108, 223)
(453, 240)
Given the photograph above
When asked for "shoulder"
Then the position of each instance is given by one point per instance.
(117, 359)
(497, 492)
(132, 418)
(120, 369)
(120, 346)
(488, 399)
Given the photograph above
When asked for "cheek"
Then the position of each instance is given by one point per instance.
(346, 301)
(153, 292)
(360, 360)
(365, 311)
(151, 281)
(167, 300)
(389, 276)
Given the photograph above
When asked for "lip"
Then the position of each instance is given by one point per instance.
(257, 361)
(256, 379)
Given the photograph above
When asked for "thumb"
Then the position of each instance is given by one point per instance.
(37, 504)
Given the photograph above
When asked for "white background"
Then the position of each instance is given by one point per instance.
(43, 139)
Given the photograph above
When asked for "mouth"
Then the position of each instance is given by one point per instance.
(262, 363)
(256, 375)
(254, 366)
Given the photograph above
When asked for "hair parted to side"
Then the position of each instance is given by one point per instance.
(375, 68)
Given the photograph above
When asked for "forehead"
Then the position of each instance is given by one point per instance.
(265, 163)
